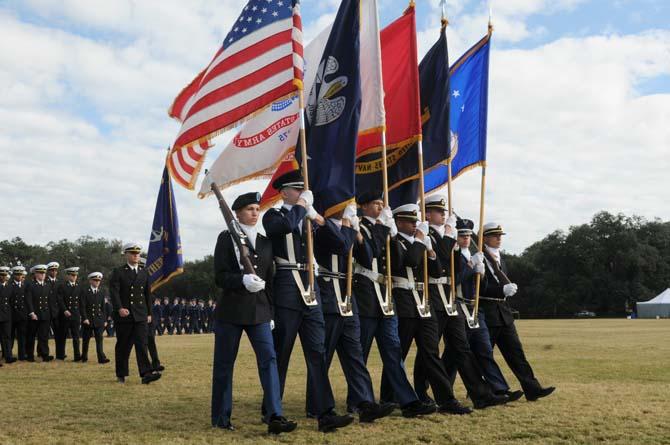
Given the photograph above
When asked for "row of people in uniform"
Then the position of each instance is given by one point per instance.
(182, 316)
(276, 304)
(30, 310)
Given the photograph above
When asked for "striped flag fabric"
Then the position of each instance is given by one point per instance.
(184, 163)
(260, 61)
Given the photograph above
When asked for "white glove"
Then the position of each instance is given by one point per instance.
(423, 227)
(479, 268)
(477, 258)
(451, 221)
(428, 243)
(355, 223)
(272, 325)
(308, 197)
(386, 215)
(311, 212)
(349, 212)
(253, 283)
(510, 289)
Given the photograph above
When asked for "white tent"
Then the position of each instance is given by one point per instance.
(656, 307)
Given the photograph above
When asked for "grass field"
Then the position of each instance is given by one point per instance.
(613, 379)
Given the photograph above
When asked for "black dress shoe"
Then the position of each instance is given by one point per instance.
(453, 406)
(543, 392)
(47, 358)
(228, 426)
(77, 359)
(103, 361)
(31, 359)
(495, 399)
(311, 415)
(417, 408)
(10, 360)
(512, 395)
(331, 422)
(280, 424)
(160, 368)
(121, 379)
(151, 377)
(369, 412)
(84, 360)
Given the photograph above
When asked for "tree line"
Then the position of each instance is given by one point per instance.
(604, 266)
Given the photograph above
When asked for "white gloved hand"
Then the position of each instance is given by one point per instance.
(272, 325)
(311, 213)
(349, 212)
(386, 215)
(510, 289)
(423, 227)
(428, 243)
(308, 197)
(477, 258)
(355, 223)
(479, 268)
(451, 221)
(253, 283)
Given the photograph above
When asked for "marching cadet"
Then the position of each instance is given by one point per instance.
(332, 244)
(19, 310)
(496, 288)
(175, 317)
(165, 316)
(245, 305)
(6, 315)
(202, 317)
(129, 291)
(93, 316)
(109, 310)
(69, 300)
(442, 233)
(52, 285)
(210, 316)
(377, 320)
(297, 309)
(156, 317)
(39, 311)
(185, 316)
(415, 322)
(467, 266)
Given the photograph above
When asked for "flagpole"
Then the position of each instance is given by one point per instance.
(452, 270)
(308, 223)
(385, 185)
(480, 243)
(422, 195)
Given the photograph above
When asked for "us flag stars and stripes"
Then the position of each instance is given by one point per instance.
(260, 61)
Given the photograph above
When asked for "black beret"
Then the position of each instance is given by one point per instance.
(369, 196)
(246, 199)
(291, 179)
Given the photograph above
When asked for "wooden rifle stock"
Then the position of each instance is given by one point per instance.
(236, 232)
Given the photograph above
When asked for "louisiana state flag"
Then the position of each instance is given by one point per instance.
(332, 114)
(468, 94)
(164, 259)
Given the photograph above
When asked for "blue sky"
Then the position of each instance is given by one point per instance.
(576, 88)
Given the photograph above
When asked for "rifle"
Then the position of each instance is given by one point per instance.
(236, 232)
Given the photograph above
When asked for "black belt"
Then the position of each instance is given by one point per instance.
(292, 266)
(325, 273)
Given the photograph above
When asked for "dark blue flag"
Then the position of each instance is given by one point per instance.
(468, 84)
(333, 112)
(164, 259)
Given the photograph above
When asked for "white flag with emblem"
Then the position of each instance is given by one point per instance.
(373, 116)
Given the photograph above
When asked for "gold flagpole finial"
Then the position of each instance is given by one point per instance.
(490, 31)
(444, 20)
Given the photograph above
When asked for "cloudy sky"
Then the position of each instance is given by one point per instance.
(579, 110)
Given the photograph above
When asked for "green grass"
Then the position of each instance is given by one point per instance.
(613, 379)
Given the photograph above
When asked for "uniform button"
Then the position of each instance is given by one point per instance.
(131, 302)
(131, 295)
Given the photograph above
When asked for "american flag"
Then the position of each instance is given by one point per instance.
(260, 61)
(184, 163)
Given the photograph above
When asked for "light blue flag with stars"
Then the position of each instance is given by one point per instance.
(468, 80)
